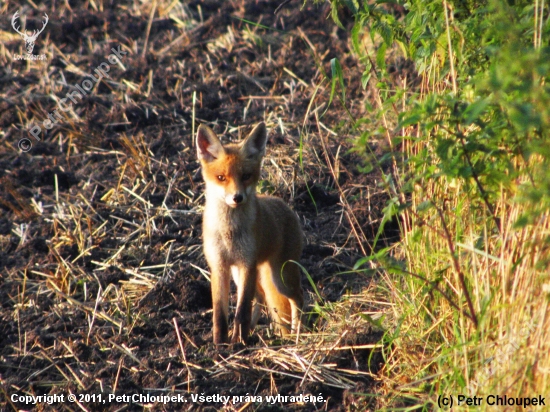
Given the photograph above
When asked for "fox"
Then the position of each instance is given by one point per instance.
(254, 239)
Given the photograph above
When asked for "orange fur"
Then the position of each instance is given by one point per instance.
(249, 237)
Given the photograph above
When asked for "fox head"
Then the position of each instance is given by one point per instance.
(231, 172)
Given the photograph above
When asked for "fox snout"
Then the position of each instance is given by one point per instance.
(241, 195)
(234, 200)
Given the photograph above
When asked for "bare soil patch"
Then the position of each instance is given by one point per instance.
(100, 225)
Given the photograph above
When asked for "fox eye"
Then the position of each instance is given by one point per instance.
(221, 178)
(247, 176)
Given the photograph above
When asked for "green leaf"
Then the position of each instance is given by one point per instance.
(337, 76)
(366, 168)
(473, 111)
(381, 56)
(334, 15)
(355, 31)
(352, 6)
(425, 205)
(365, 79)
(410, 120)
(375, 322)
(444, 148)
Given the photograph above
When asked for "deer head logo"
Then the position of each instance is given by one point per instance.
(29, 39)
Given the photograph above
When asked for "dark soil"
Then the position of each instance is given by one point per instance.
(75, 316)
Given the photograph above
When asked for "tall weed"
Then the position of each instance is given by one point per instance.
(471, 283)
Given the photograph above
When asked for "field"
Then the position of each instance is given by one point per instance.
(411, 138)
(104, 285)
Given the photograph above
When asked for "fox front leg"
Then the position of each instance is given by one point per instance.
(220, 304)
(246, 290)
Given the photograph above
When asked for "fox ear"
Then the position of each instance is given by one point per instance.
(209, 146)
(256, 140)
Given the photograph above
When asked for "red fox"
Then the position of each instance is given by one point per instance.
(252, 237)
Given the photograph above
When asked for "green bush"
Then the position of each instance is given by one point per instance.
(472, 193)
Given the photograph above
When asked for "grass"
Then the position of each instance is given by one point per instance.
(444, 349)
(468, 284)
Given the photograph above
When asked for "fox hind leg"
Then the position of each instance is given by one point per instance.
(283, 295)
(259, 303)
(296, 296)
